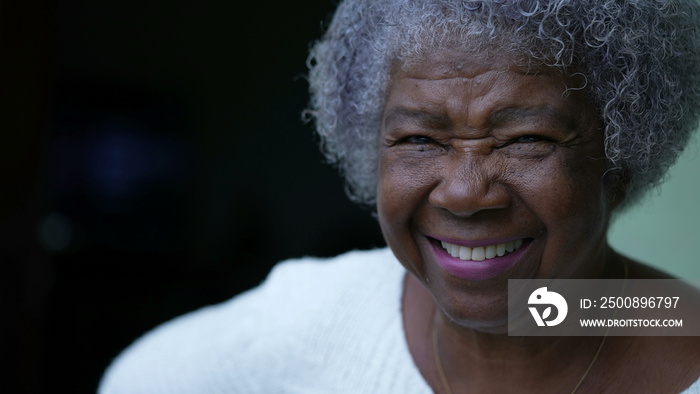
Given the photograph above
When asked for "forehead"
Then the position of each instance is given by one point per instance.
(457, 82)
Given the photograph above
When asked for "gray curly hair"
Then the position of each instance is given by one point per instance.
(640, 60)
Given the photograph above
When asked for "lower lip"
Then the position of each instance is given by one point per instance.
(477, 270)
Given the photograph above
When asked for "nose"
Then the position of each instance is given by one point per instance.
(469, 186)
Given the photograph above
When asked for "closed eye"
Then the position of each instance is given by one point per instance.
(531, 138)
(420, 143)
(420, 140)
(531, 141)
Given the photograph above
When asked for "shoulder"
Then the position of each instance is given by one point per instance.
(322, 274)
(673, 361)
(655, 364)
(693, 389)
(284, 326)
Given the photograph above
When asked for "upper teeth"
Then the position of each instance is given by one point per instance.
(482, 252)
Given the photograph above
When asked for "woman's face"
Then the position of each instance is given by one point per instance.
(489, 173)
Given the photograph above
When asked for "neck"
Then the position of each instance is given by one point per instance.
(479, 361)
(474, 357)
(495, 349)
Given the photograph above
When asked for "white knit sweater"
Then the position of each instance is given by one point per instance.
(314, 326)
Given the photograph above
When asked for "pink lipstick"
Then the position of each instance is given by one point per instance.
(478, 260)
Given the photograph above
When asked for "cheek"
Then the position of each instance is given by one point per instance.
(403, 187)
(403, 184)
(569, 197)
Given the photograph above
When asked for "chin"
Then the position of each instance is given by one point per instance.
(479, 312)
(491, 326)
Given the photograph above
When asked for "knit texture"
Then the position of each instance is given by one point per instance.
(314, 326)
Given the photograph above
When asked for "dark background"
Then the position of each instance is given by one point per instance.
(154, 161)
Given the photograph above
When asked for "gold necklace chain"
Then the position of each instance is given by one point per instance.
(446, 383)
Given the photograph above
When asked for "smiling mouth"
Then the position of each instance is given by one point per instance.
(482, 252)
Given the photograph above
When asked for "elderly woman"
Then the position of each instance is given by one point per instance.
(496, 140)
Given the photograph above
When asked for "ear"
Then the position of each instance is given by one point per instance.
(616, 181)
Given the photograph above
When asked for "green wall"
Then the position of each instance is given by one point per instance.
(664, 231)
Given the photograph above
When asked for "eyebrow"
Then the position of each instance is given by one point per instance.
(515, 114)
(423, 118)
(503, 116)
